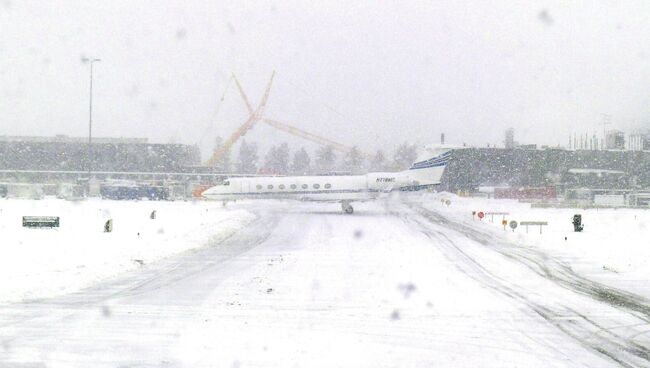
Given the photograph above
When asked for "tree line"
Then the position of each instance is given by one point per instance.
(280, 160)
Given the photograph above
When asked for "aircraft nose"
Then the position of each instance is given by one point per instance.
(209, 191)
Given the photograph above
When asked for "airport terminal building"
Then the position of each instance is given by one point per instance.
(63, 153)
(60, 165)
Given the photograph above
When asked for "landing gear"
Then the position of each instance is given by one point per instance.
(347, 208)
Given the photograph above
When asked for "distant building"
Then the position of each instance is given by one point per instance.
(595, 178)
(527, 146)
(509, 141)
(615, 139)
(62, 153)
(60, 138)
(638, 142)
(526, 193)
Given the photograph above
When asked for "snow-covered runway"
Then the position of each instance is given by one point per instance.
(396, 284)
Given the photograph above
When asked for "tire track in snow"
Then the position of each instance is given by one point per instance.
(592, 331)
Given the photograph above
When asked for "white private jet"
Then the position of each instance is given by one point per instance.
(424, 173)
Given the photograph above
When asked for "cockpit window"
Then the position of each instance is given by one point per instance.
(226, 182)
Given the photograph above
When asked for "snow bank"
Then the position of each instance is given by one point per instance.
(613, 248)
(37, 263)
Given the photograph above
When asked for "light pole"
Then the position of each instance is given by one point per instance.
(90, 120)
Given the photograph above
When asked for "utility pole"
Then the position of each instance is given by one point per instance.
(90, 120)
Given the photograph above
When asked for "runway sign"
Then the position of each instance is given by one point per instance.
(534, 223)
(491, 214)
(41, 221)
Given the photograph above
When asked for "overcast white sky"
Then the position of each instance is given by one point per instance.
(370, 73)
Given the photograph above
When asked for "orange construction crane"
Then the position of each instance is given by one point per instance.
(297, 131)
(255, 116)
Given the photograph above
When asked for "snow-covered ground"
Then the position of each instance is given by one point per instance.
(38, 263)
(614, 247)
(307, 286)
(405, 281)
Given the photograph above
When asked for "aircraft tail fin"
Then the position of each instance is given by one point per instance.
(427, 170)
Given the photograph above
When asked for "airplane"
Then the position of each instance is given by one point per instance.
(424, 173)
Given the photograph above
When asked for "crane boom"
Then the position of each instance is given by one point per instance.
(310, 137)
(294, 130)
(243, 95)
(255, 116)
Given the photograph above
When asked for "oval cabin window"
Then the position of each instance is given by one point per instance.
(316, 186)
(304, 186)
(293, 186)
(259, 187)
(328, 185)
(270, 187)
(281, 186)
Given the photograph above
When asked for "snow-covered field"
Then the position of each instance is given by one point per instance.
(395, 284)
(614, 247)
(38, 263)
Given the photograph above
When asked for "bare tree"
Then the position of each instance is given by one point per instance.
(378, 162)
(325, 159)
(277, 159)
(353, 161)
(404, 156)
(247, 158)
(301, 162)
